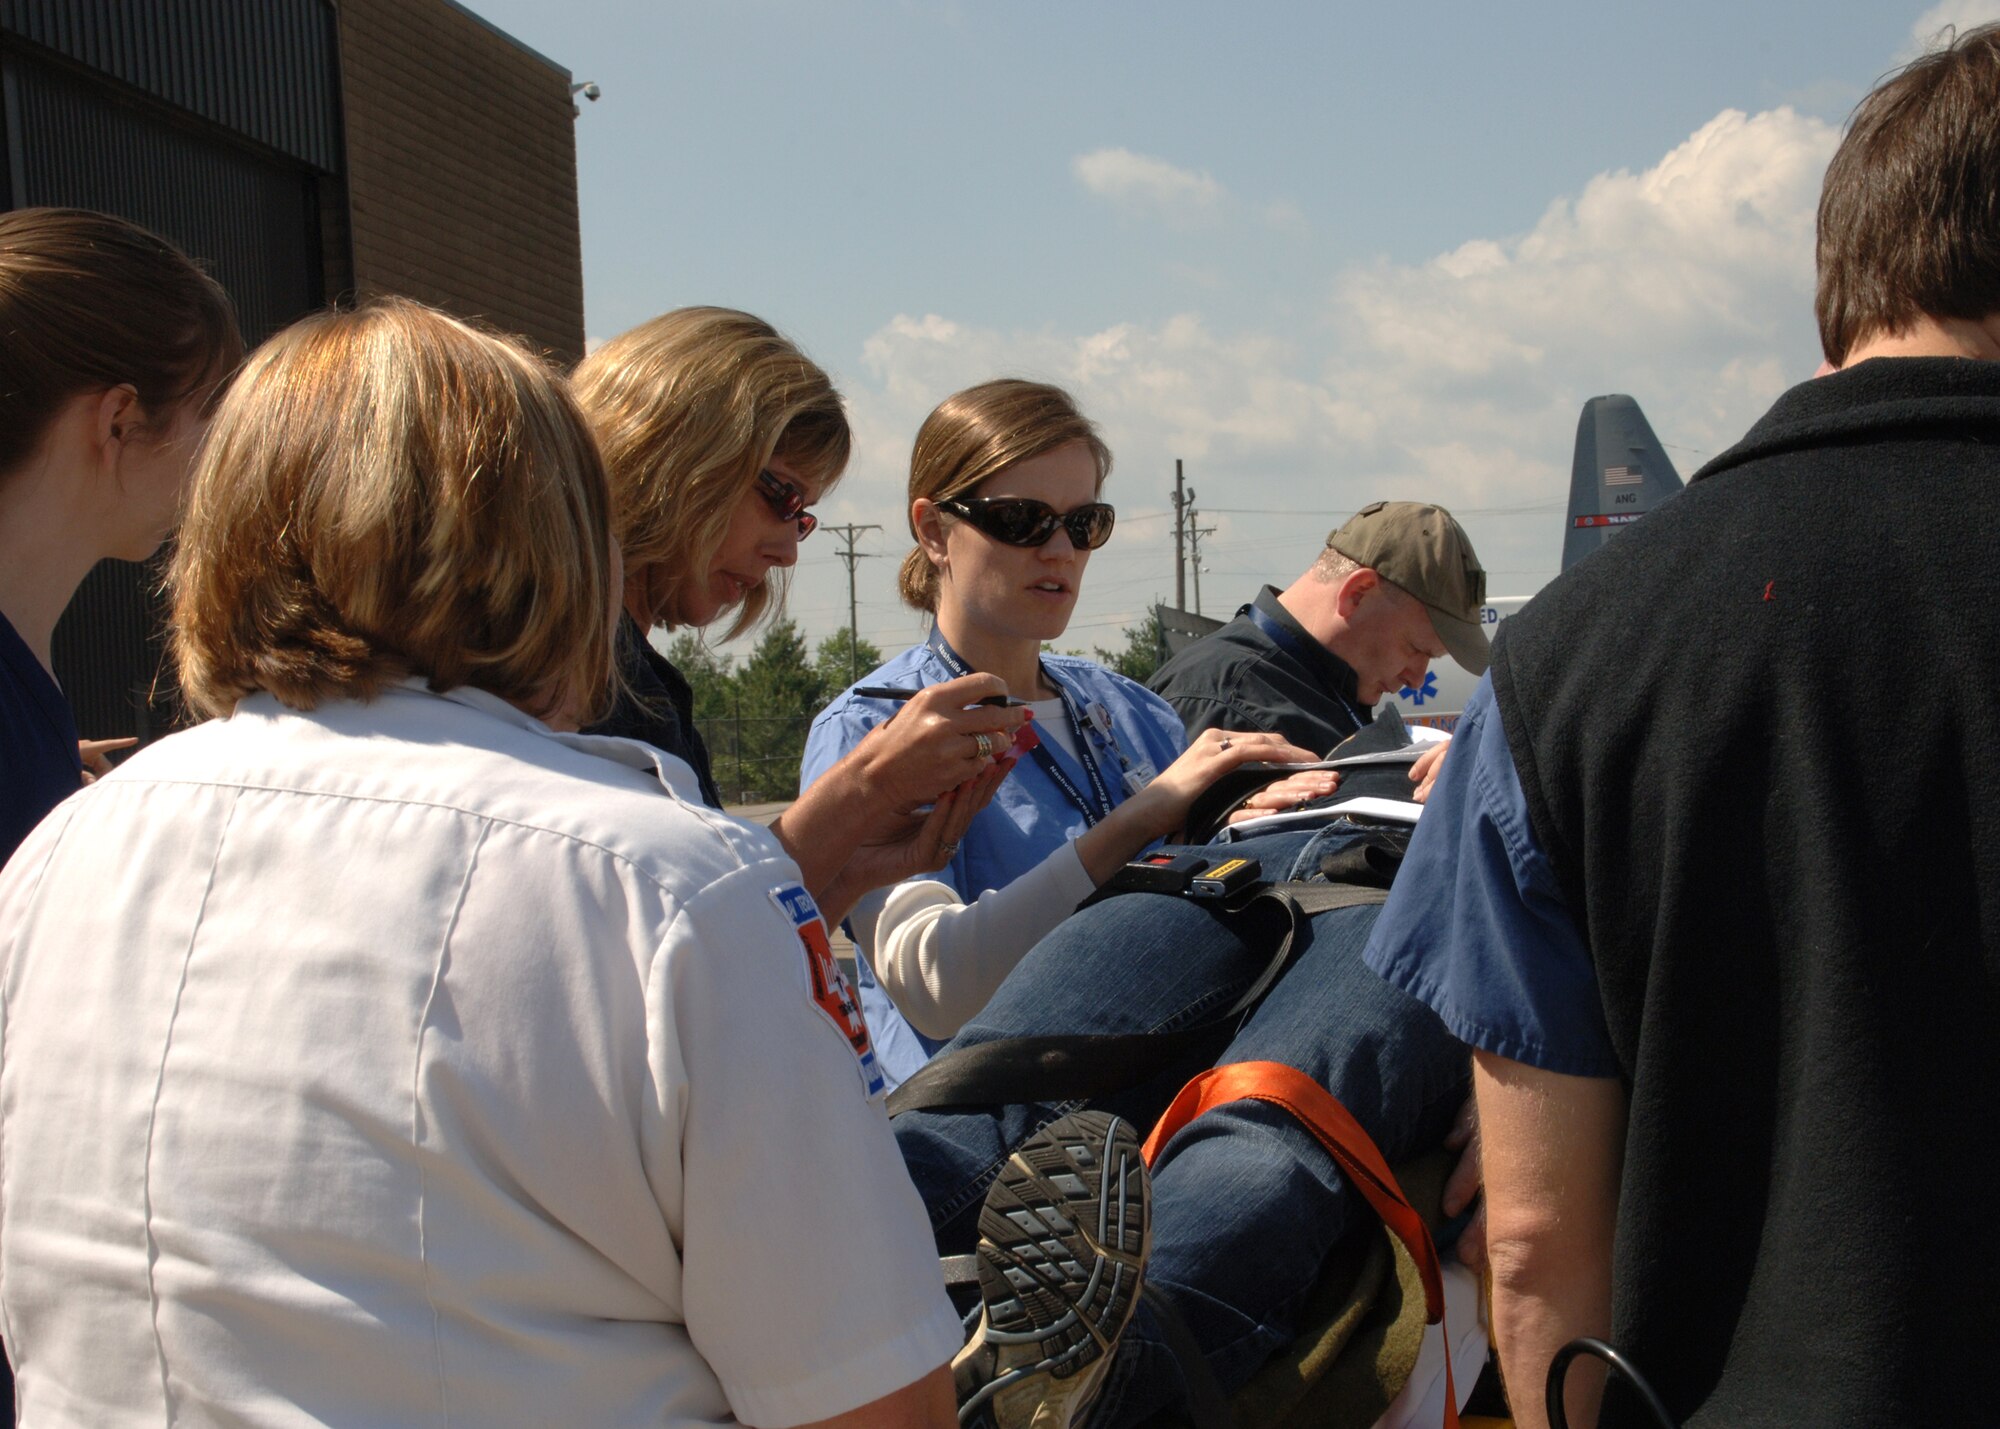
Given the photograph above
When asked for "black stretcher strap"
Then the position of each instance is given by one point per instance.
(1084, 1066)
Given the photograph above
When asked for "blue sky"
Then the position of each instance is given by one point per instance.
(1323, 253)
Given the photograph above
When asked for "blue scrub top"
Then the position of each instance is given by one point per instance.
(39, 762)
(1030, 817)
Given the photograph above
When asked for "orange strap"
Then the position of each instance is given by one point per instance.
(1322, 1114)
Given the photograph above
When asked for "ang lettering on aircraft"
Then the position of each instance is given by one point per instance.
(1618, 472)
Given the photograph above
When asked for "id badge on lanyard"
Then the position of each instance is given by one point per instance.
(1099, 804)
(1093, 804)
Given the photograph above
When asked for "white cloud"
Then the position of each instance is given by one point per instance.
(1140, 180)
(1459, 379)
(1961, 15)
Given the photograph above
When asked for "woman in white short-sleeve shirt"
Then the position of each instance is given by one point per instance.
(378, 1052)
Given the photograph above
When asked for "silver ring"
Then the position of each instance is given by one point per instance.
(949, 850)
(983, 744)
(1224, 744)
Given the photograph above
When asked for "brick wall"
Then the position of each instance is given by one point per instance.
(461, 170)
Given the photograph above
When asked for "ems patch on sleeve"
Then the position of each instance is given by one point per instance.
(831, 993)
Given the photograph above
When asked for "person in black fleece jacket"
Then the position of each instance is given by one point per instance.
(1734, 1064)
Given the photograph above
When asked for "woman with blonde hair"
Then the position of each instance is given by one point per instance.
(720, 436)
(1005, 505)
(383, 1051)
(116, 343)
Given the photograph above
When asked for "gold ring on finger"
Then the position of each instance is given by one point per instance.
(983, 744)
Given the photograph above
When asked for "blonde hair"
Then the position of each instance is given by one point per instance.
(976, 434)
(688, 409)
(391, 492)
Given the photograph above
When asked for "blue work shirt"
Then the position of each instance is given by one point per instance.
(1030, 816)
(39, 762)
(1477, 928)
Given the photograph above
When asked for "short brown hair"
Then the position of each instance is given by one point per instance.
(976, 434)
(392, 492)
(91, 301)
(1908, 223)
(688, 408)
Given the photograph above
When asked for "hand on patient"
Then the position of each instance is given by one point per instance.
(1165, 802)
(1290, 792)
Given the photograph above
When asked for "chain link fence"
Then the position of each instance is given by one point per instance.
(756, 758)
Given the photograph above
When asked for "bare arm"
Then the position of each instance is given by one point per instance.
(1553, 1148)
(927, 1404)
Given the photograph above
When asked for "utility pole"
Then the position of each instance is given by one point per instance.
(1183, 498)
(848, 535)
(1195, 533)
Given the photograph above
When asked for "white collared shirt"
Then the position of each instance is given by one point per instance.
(405, 1062)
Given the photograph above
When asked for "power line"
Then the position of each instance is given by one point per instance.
(1525, 508)
(849, 534)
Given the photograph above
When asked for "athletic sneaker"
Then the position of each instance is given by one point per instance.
(1063, 1240)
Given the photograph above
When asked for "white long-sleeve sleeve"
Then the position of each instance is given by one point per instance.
(940, 959)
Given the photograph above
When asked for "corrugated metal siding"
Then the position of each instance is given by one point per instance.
(254, 223)
(261, 68)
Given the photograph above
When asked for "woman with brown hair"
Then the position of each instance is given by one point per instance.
(720, 436)
(115, 346)
(1005, 505)
(382, 1050)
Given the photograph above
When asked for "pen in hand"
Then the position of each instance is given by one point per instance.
(892, 692)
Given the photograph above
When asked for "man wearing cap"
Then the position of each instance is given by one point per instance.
(1397, 587)
(1718, 913)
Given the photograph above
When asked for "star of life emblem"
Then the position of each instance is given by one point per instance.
(828, 986)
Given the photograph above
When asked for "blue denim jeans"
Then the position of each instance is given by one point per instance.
(1246, 1204)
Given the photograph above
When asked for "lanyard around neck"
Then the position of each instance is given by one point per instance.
(1290, 639)
(1099, 803)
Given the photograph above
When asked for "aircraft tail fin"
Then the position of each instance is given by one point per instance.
(1620, 472)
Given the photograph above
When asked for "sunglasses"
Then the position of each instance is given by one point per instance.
(786, 501)
(1023, 521)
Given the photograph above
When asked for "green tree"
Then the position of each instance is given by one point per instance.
(706, 670)
(836, 670)
(1141, 655)
(778, 692)
(709, 675)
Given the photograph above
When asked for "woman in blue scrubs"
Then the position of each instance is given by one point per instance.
(1005, 487)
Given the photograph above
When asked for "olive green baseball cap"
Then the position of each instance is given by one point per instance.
(1425, 552)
